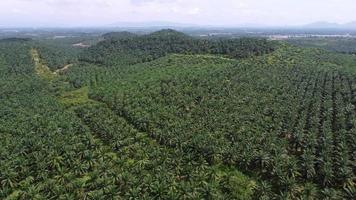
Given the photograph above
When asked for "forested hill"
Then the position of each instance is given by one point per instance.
(15, 40)
(125, 48)
(119, 35)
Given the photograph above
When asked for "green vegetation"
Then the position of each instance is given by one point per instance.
(57, 57)
(271, 116)
(126, 49)
(341, 45)
(75, 97)
(119, 35)
(59, 52)
(41, 69)
(164, 117)
(15, 40)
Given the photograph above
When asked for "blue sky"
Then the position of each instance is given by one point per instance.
(200, 12)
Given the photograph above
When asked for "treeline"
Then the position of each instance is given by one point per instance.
(15, 40)
(119, 35)
(127, 48)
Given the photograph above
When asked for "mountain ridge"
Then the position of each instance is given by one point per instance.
(151, 24)
(326, 24)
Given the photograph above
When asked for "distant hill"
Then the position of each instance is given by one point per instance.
(351, 24)
(119, 35)
(15, 40)
(322, 25)
(329, 25)
(125, 48)
(151, 24)
(168, 33)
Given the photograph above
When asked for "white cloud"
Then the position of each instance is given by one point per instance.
(224, 12)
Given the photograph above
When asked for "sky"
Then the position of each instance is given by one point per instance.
(198, 12)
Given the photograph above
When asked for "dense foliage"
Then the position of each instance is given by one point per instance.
(119, 35)
(288, 118)
(57, 56)
(336, 44)
(124, 48)
(59, 52)
(61, 145)
(16, 40)
(280, 125)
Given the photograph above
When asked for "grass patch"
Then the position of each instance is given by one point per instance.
(235, 182)
(41, 69)
(76, 97)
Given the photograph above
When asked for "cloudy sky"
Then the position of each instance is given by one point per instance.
(200, 12)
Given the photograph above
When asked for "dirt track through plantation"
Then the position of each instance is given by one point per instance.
(63, 68)
(42, 69)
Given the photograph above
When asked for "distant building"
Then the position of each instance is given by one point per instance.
(81, 45)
